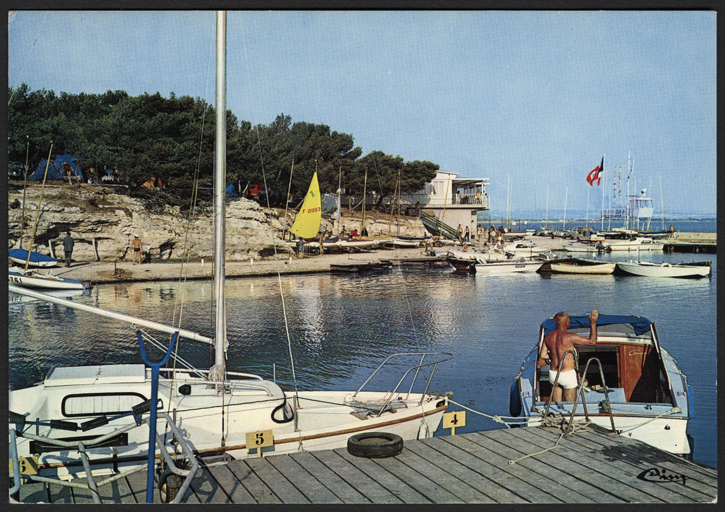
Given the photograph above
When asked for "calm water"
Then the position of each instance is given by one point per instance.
(343, 326)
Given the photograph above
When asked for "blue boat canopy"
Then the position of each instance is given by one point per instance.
(639, 324)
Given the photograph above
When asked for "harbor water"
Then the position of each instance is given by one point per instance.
(342, 326)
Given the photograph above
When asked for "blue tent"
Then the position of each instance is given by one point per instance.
(231, 192)
(55, 169)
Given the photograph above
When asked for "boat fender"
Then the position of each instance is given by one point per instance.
(515, 400)
(375, 445)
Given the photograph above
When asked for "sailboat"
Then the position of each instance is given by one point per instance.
(92, 411)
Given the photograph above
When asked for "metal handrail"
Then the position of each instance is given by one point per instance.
(92, 484)
(580, 392)
(417, 368)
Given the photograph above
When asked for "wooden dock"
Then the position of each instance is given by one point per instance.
(591, 466)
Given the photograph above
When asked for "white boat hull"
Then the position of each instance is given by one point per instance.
(647, 269)
(40, 281)
(41, 264)
(663, 433)
(509, 267)
(638, 244)
(564, 268)
(324, 420)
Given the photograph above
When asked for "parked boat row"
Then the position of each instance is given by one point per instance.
(473, 262)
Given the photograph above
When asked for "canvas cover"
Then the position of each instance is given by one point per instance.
(55, 169)
(639, 324)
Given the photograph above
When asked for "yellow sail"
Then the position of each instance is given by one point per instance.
(307, 223)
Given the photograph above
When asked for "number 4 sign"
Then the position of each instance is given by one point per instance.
(454, 419)
(259, 440)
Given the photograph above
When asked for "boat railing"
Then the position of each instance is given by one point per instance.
(82, 446)
(580, 392)
(416, 368)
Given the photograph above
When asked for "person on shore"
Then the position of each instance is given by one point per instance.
(556, 344)
(136, 245)
(460, 233)
(68, 248)
(467, 235)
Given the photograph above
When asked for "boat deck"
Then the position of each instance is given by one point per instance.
(590, 466)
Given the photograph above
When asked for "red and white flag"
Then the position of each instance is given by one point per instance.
(596, 174)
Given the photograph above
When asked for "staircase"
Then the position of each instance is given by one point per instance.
(436, 227)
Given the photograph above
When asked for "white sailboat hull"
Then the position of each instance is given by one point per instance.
(32, 279)
(323, 420)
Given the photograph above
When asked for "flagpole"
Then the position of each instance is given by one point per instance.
(603, 194)
(587, 223)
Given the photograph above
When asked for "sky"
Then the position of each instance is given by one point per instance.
(530, 100)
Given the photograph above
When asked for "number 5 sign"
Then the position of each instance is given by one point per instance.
(259, 440)
(454, 419)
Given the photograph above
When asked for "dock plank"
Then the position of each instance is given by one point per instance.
(566, 457)
(416, 472)
(519, 479)
(571, 488)
(252, 483)
(388, 480)
(207, 489)
(303, 480)
(327, 477)
(279, 485)
(490, 490)
(117, 491)
(370, 490)
(230, 483)
(591, 465)
(640, 457)
(623, 473)
(33, 493)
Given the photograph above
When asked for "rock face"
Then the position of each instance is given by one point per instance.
(103, 224)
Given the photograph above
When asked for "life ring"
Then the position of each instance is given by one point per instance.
(375, 445)
(515, 400)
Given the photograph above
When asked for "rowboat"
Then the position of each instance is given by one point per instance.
(20, 257)
(647, 269)
(577, 266)
(627, 382)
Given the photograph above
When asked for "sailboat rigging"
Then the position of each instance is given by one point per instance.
(97, 407)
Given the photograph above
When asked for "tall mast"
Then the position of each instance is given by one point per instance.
(220, 163)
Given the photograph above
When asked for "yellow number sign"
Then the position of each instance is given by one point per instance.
(454, 419)
(28, 465)
(259, 440)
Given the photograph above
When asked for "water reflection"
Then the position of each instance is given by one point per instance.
(342, 327)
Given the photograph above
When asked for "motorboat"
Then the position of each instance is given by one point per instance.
(627, 383)
(34, 279)
(648, 269)
(577, 266)
(634, 244)
(583, 247)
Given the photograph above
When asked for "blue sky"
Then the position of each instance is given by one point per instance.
(531, 97)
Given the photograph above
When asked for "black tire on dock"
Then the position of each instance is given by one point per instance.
(375, 445)
(169, 487)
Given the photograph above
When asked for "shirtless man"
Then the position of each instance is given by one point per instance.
(556, 343)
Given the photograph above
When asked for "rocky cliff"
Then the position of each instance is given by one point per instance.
(103, 222)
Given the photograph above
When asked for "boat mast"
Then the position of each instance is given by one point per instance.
(217, 371)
